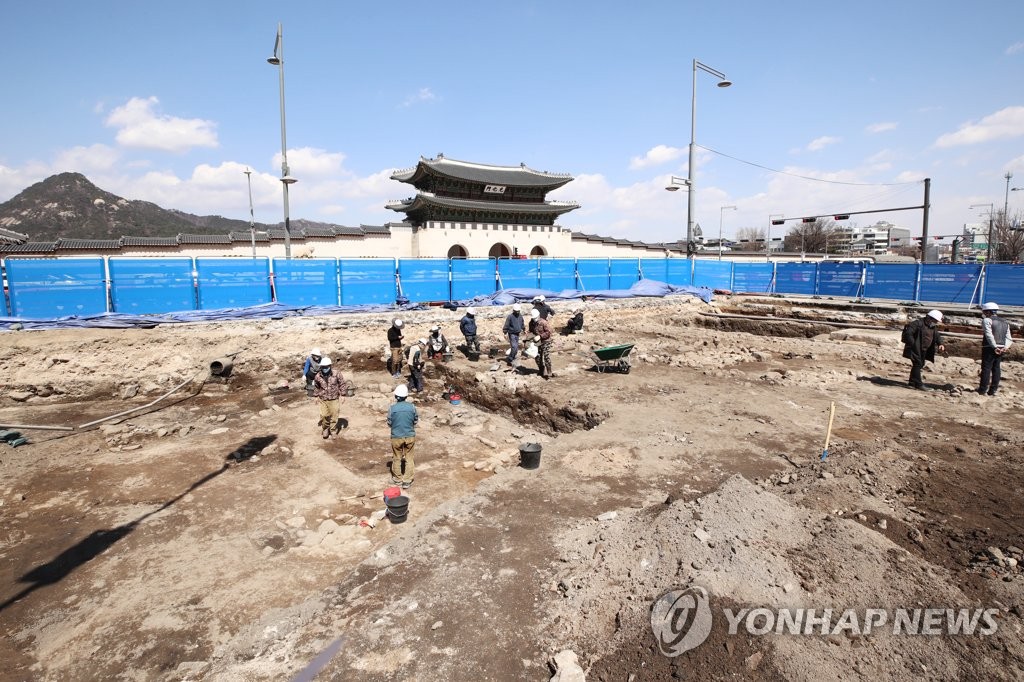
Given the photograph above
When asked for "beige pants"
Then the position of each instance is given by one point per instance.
(401, 453)
(329, 411)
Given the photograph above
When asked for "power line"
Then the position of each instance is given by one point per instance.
(805, 177)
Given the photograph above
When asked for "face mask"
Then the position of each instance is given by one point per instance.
(516, 313)
(325, 370)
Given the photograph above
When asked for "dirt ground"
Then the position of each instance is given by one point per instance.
(215, 535)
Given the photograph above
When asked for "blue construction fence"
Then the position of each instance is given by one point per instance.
(43, 288)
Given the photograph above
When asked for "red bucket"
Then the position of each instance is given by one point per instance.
(392, 492)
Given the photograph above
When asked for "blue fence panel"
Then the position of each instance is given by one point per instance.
(752, 277)
(146, 286)
(712, 274)
(593, 273)
(518, 273)
(306, 281)
(654, 268)
(50, 287)
(232, 282)
(897, 281)
(557, 274)
(623, 273)
(424, 279)
(1004, 284)
(472, 277)
(950, 283)
(796, 278)
(839, 279)
(366, 281)
(679, 271)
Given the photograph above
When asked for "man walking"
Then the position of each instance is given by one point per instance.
(542, 330)
(416, 355)
(328, 387)
(395, 344)
(996, 341)
(513, 327)
(467, 325)
(310, 369)
(402, 418)
(921, 339)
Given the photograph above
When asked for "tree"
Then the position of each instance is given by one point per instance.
(750, 239)
(1007, 238)
(821, 236)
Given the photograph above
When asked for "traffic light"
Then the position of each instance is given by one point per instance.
(778, 222)
(842, 216)
(808, 220)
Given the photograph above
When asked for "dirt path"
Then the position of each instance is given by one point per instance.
(218, 537)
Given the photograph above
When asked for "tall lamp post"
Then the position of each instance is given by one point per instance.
(721, 213)
(723, 82)
(1006, 200)
(988, 240)
(252, 216)
(286, 179)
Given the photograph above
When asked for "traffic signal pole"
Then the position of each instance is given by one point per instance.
(924, 219)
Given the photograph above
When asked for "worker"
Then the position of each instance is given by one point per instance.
(921, 339)
(513, 327)
(328, 388)
(539, 303)
(575, 323)
(402, 418)
(995, 342)
(541, 329)
(467, 325)
(416, 355)
(437, 344)
(310, 369)
(395, 344)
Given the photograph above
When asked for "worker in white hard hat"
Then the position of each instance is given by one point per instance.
(395, 344)
(416, 355)
(467, 325)
(540, 304)
(921, 339)
(437, 344)
(402, 418)
(310, 369)
(329, 390)
(545, 336)
(995, 342)
(514, 325)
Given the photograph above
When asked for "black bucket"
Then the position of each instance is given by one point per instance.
(529, 455)
(398, 508)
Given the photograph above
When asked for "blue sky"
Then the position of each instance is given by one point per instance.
(171, 102)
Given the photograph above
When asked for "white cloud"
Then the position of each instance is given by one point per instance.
(97, 157)
(1004, 124)
(1015, 48)
(656, 156)
(881, 127)
(420, 96)
(820, 143)
(139, 126)
(306, 163)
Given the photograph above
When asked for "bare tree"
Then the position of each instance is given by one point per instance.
(1007, 238)
(821, 236)
(750, 238)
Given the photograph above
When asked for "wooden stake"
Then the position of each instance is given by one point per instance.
(828, 432)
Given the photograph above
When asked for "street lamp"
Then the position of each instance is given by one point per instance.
(723, 82)
(674, 184)
(286, 179)
(721, 213)
(988, 245)
(1006, 200)
(252, 216)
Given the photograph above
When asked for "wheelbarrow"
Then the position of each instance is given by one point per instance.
(613, 358)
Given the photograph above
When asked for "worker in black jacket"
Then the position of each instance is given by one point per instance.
(921, 339)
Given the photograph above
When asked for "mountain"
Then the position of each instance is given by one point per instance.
(69, 206)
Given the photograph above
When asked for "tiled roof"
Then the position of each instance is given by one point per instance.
(278, 234)
(12, 237)
(29, 247)
(90, 244)
(247, 236)
(375, 229)
(517, 176)
(318, 232)
(148, 241)
(426, 199)
(204, 239)
(349, 231)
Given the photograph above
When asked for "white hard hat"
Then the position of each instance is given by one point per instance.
(990, 306)
(398, 323)
(541, 298)
(326, 362)
(535, 313)
(315, 351)
(401, 391)
(435, 328)
(935, 315)
(422, 342)
(471, 311)
(516, 308)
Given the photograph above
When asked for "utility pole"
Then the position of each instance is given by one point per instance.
(252, 216)
(924, 219)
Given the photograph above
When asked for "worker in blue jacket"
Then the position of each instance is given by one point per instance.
(467, 325)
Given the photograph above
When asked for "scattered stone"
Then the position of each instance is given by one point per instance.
(221, 417)
(1011, 562)
(489, 443)
(701, 535)
(784, 480)
(788, 587)
(607, 516)
(468, 465)
(129, 391)
(883, 524)
(754, 660)
(216, 432)
(296, 522)
(160, 433)
(910, 414)
(995, 553)
(480, 466)
(567, 665)
(436, 625)
(826, 475)
(20, 396)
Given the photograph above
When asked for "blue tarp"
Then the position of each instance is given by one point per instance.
(302, 281)
(144, 286)
(645, 287)
(472, 277)
(232, 282)
(51, 287)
